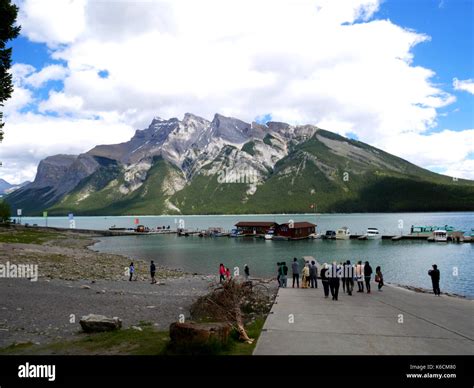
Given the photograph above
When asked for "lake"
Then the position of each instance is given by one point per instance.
(403, 262)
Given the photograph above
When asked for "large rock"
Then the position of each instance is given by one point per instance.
(95, 323)
(193, 333)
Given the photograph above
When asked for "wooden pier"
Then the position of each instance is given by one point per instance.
(94, 232)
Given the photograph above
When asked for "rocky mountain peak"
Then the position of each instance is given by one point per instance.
(52, 169)
(232, 130)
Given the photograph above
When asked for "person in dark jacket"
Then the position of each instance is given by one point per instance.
(342, 279)
(367, 275)
(435, 276)
(296, 272)
(246, 272)
(334, 280)
(284, 274)
(313, 274)
(325, 280)
(349, 277)
(131, 270)
(152, 272)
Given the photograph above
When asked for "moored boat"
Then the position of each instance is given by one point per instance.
(236, 233)
(440, 235)
(269, 234)
(343, 233)
(371, 234)
(329, 235)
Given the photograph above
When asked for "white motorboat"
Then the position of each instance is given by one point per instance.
(372, 234)
(440, 235)
(343, 233)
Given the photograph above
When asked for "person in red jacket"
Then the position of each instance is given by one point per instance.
(221, 273)
(227, 273)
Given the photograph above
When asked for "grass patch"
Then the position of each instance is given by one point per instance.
(240, 348)
(134, 342)
(127, 341)
(16, 236)
(16, 348)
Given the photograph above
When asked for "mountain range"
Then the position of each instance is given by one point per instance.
(228, 166)
(7, 188)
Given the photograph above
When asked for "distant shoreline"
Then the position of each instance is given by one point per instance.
(246, 214)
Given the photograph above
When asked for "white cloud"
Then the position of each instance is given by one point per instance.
(463, 169)
(322, 62)
(448, 151)
(20, 71)
(54, 22)
(59, 102)
(20, 98)
(47, 73)
(31, 137)
(466, 85)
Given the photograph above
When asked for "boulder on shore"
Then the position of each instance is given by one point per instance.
(193, 333)
(93, 323)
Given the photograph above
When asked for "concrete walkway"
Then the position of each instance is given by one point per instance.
(367, 324)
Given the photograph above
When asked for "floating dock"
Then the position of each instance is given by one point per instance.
(95, 232)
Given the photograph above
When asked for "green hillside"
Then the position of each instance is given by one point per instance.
(335, 173)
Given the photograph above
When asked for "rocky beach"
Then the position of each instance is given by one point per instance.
(74, 281)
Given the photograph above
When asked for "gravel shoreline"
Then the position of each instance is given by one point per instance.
(74, 281)
(50, 310)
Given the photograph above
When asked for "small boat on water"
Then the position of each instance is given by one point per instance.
(270, 233)
(343, 233)
(314, 236)
(213, 232)
(236, 233)
(371, 234)
(329, 235)
(440, 236)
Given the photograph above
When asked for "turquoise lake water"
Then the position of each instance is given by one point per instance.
(403, 262)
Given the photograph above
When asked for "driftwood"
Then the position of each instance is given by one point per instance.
(225, 303)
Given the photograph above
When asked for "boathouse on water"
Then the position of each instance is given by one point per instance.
(296, 230)
(254, 227)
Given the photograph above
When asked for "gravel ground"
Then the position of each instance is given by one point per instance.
(40, 311)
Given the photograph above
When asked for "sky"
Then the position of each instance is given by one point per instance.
(397, 74)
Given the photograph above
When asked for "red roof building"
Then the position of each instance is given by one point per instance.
(295, 230)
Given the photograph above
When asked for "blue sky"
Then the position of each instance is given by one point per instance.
(450, 52)
(338, 68)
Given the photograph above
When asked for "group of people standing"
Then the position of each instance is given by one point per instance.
(331, 276)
